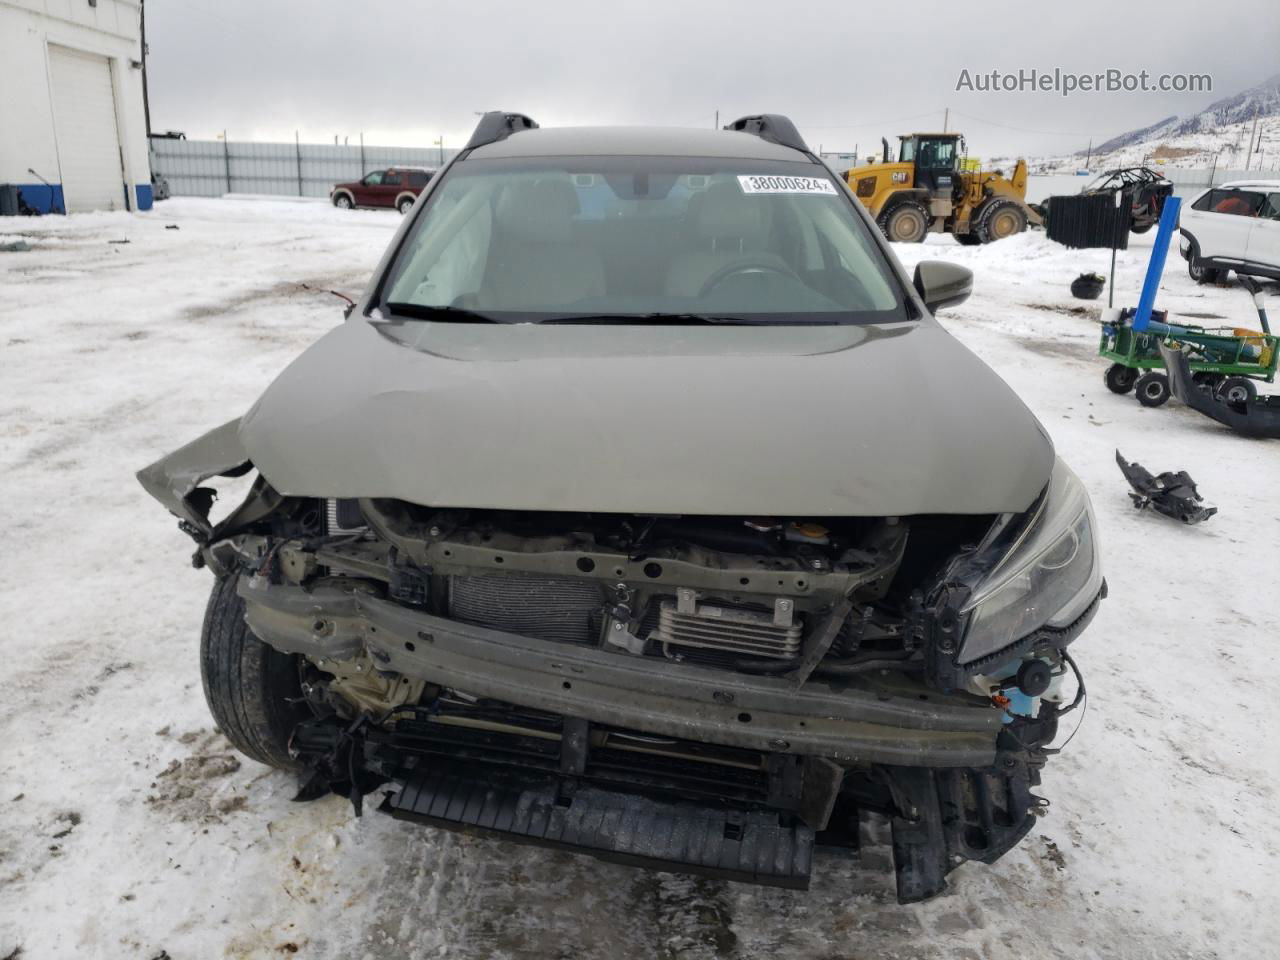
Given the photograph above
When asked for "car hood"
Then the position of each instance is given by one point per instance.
(878, 420)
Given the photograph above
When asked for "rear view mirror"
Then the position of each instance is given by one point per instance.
(942, 284)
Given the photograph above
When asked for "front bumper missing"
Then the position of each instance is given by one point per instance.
(752, 847)
(863, 720)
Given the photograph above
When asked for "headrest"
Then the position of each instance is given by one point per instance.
(542, 210)
(724, 211)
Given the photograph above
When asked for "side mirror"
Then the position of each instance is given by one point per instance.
(942, 284)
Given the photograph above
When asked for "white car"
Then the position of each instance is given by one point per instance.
(1235, 226)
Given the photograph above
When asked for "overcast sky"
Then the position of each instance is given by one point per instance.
(406, 73)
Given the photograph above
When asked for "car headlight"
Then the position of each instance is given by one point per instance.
(1047, 577)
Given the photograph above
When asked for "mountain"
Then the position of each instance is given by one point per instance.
(1261, 101)
(1219, 136)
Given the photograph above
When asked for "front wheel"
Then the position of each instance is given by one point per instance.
(1001, 219)
(1119, 378)
(405, 205)
(342, 202)
(253, 690)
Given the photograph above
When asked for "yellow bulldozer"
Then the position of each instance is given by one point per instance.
(934, 187)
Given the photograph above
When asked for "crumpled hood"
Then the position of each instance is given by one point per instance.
(783, 420)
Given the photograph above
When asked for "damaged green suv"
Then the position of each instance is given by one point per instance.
(642, 508)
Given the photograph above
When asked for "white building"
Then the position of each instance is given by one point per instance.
(71, 109)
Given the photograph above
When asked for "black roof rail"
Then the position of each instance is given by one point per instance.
(496, 125)
(773, 127)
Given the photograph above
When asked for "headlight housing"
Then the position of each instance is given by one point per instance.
(1047, 577)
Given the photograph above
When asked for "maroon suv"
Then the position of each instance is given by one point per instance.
(394, 187)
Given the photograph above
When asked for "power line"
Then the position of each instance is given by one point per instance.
(865, 123)
(1006, 126)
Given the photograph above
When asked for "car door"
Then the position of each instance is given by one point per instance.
(1226, 217)
(393, 182)
(1264, 237)
(366, 191)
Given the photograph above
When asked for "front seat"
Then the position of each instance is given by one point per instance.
(728, 227)
(536, 263)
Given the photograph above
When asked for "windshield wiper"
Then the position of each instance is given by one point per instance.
(419, 311)
(649, 318)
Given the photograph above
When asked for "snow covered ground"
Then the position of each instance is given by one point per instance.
(129, 828)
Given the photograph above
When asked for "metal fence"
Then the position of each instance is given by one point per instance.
(210, 168)
(1187, 182)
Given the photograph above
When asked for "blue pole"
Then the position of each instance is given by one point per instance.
(1155, 267)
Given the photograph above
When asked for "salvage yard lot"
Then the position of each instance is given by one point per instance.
(129, 827)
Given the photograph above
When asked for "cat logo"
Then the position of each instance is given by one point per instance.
(900, 176)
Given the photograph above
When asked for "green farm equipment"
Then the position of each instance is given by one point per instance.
(1224, 361)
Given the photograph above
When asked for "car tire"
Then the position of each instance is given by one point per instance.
(1237, 391)
(1197, 270)
(1119, 378)
(1001, 219)
(342, 201)
(1140, 227)
(253, 691)
(405, 205)
(1152, 389)
(906, 222)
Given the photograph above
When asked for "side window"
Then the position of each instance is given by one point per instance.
(373, 179)
(418, 178)
(1271, 210)
(391, 178)
(1237, 203)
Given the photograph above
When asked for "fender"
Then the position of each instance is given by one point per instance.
(175, 480)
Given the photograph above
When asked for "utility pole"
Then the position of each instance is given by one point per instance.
(946, 118)
(439, 142)
(717, 124)
(1249, 158)
(226, 158)
(1088, 154)
(297, 148)
(146, 101)
(362, 170)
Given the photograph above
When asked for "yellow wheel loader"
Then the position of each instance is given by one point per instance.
(933, 187)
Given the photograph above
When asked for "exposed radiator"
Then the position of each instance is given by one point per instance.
(776, 635)
(546, 607)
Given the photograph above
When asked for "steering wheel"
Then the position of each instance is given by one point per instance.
(742, 266)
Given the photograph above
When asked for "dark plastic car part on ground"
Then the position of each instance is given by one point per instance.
(1259, 417)
(1171, 494)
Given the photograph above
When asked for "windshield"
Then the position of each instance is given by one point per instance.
(613, 238)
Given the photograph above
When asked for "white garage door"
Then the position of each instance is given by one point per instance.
(84, 111)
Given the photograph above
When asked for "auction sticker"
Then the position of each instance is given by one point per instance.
(773, 184)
